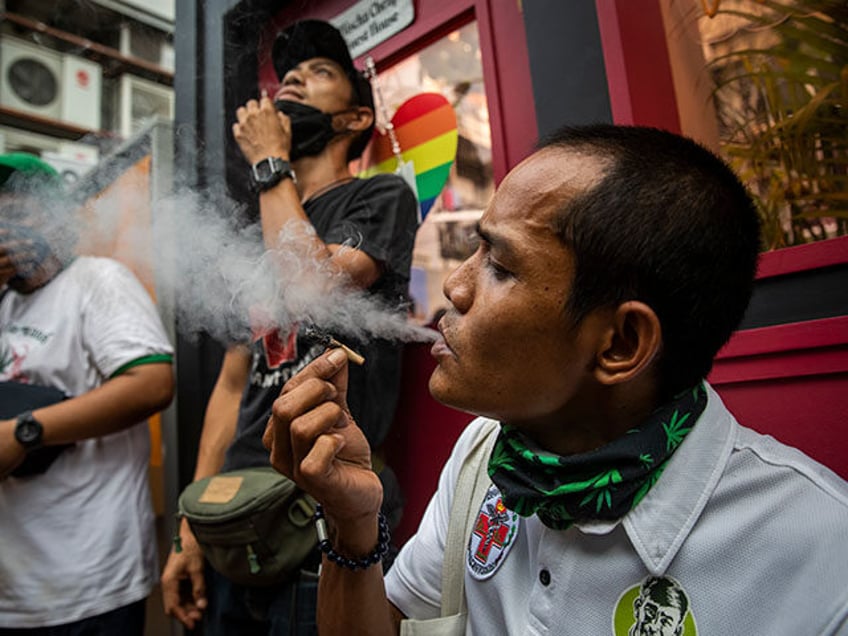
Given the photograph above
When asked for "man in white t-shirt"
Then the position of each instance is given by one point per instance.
(77, 544)
(619, 494)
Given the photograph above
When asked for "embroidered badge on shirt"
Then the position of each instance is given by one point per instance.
(658, 606)
(492, 537)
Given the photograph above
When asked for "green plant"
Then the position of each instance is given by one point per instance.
(781, 94)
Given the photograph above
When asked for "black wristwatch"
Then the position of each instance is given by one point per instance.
(269, 172)
(28, 431)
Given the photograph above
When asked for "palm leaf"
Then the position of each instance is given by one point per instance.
(783, 111)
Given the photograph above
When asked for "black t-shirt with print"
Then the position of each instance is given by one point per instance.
(379, 216)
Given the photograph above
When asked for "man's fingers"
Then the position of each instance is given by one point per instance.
(308, 394)
(297, 419)
(285, 122)
(198, 588)
(277, 441)
(324, 366)
(289, 406)
(331, 366)
(309, 406)
(186, 616)
(170, 597)
(317, 464)
(184, 604)
(310, 427)
(172, 602)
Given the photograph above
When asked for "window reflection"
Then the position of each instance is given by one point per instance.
(452, 67)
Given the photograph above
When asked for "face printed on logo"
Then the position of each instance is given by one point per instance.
(659, 606)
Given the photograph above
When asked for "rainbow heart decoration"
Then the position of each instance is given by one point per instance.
(425, 127)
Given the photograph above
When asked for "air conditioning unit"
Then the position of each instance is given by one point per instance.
(82, 88)
(140, 101)
(43, 82)
(17, 140)
(70, 168)
(144, 42)
(30, 78)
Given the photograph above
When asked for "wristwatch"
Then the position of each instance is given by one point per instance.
(269, 172)
(28, 431)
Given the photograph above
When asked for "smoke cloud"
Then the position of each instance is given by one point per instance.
(208, 264)
(213, 268)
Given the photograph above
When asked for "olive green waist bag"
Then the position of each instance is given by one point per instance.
(254, 525)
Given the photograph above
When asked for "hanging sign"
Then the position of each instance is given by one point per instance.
(425, 126)
(369, 22)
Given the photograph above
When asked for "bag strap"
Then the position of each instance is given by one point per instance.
(471, 486)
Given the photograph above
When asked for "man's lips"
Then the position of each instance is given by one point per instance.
(290, 94)
(441, 347)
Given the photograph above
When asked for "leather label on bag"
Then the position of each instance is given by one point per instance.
(221, 490)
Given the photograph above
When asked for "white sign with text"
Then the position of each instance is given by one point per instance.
(369, 22)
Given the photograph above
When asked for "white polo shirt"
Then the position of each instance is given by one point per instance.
(78, 541)
(752, 534)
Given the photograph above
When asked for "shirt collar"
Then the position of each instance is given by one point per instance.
(659, 525)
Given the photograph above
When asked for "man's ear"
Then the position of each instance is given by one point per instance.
(630, 345)
(361, 118)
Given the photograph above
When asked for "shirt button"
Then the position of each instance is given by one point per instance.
(545, 577)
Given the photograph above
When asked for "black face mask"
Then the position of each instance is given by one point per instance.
(312, 129)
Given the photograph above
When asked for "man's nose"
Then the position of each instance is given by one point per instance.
(294, 76)
(458, 287)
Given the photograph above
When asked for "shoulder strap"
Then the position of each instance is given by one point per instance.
(471, 486)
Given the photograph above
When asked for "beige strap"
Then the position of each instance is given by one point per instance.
(471, 486)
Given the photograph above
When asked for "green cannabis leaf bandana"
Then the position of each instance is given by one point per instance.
(603, 484)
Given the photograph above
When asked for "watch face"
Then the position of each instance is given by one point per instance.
(263, 170)
(28, 431)
(270, 171)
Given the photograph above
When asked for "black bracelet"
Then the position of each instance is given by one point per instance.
(368, 560)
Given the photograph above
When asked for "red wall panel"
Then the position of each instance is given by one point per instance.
(791, 382)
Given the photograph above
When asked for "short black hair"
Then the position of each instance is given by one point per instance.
(669, 224)
(666, 592)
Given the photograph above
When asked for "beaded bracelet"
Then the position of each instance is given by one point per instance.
(368, 560)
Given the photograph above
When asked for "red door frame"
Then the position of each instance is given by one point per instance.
(639, 80)
(503, 47)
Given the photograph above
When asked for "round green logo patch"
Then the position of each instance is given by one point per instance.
(658, 606)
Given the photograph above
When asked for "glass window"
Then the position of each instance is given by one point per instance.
(775, 81)
(452, 67)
